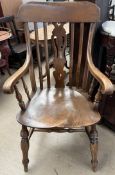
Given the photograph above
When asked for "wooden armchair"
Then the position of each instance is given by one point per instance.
(59, 108)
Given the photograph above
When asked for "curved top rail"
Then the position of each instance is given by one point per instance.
(59, 12)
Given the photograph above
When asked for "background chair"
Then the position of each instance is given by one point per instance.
(16, 43)
(59, 108)
(4, 50)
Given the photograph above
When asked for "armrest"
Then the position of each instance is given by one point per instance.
(13, 79)
(106, 85)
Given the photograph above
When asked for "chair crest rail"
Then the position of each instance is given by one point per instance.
(72, 11)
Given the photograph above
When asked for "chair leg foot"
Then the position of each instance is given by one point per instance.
(94, 160)
(94, 147)
(25, 147)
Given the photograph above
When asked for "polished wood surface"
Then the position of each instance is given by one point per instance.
(72, 10)
(59, 108)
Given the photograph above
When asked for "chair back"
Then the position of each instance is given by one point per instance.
(60, 14)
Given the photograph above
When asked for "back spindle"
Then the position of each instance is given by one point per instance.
(85, 76)
(38, 55)
(19, 98)
(71, 52)
(86, 73)
(79, 62)
(29, 51)
(25, 88)
(46, 54)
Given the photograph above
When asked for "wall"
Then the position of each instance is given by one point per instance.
(113, 2)
(10, 7)
(103, 4)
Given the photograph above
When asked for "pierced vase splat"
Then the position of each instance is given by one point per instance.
(59, 42)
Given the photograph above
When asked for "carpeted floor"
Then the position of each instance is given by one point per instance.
(50, 154)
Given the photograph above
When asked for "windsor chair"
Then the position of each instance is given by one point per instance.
(59, 108)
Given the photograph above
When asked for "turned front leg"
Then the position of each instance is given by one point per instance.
(94, 146)
(25, 147)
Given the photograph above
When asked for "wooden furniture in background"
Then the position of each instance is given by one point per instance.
(107, 106)
(5, 34)
(107, 55)
(59, 108)
(17, 46)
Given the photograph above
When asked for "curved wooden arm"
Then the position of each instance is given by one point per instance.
(106, 85)
(12, 80)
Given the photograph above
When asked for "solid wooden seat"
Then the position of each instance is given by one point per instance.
(57, 107)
